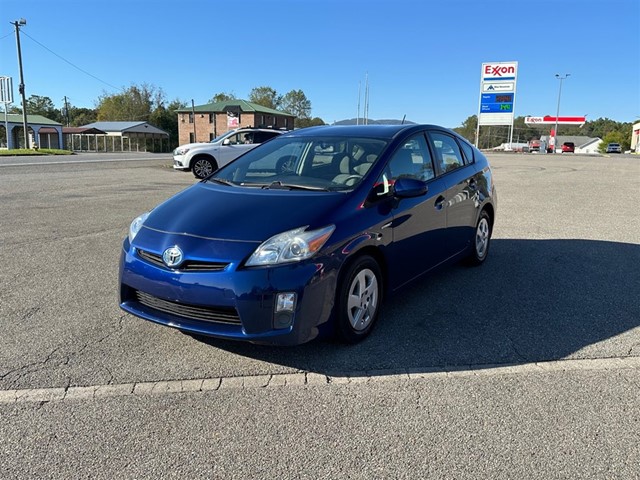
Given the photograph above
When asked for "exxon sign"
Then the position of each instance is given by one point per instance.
(499, 71)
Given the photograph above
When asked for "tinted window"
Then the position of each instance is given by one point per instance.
(305, 161)
(259, 137)
(447, 151)
(468, 151)
(413, 160)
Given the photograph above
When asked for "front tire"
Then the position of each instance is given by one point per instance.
(481, 240)
(203, 166)
(359, 298)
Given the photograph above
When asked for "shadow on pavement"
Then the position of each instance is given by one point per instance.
(533, 300)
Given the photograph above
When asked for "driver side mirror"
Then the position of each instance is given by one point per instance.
(406, 187)
(226, 141)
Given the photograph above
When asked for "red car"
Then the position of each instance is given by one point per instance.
(568, 147)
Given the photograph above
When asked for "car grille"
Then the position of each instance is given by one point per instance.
(227, 315)
(188, 265)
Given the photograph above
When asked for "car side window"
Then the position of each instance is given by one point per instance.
(236, 139)
(448, 153)
(412, 160)
(468, 152)
(259, 137)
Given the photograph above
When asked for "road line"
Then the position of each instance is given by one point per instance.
(65, 162)
(44, 395)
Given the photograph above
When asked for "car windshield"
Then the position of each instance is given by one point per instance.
(304, 163)
(219, 137)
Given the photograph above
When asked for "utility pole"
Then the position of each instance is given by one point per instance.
(555, 133)
(193, 115)
(366, 99)
(66, 110)
(18, 24)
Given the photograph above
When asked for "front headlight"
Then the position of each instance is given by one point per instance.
(180, 151)
(292, 246)
(136, 225)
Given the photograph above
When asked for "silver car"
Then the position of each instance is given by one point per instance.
(205, 158)
(614, 148)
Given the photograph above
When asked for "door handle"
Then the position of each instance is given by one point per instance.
(439, 202)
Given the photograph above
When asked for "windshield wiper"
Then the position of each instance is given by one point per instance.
(221, 181)
(293, 186)
(278, 185)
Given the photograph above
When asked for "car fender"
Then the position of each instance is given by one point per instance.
(202, 151)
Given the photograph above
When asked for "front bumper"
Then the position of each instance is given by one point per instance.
(180, 162)
(234, 303)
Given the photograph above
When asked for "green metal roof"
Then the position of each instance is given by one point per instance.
(232, 105)
(31, 119)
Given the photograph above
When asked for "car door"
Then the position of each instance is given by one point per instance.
(460, 178)
(237, 144)
(418, 223)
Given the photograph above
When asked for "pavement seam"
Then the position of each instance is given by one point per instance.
(271, 381)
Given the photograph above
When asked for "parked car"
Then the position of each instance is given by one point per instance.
(534, 146)
(204, 158)
(614, 148)
(568, 147)
(304, 235)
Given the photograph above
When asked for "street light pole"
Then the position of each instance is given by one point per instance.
(555, 132)
(18, 24)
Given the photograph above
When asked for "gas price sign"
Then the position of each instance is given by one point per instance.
(497, 93)
(496, 103)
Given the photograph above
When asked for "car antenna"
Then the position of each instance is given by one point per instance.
(405, 116)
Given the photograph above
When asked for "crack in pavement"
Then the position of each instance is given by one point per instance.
(64, 359)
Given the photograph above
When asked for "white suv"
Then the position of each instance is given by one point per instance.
(204, 158)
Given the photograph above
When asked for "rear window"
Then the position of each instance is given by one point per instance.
(259, 137)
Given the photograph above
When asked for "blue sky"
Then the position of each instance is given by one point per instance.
(423, 58)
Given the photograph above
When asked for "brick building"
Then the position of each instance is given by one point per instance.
(205, 122)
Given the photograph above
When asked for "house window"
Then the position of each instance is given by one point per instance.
(192, 138)
(191, 117)
(211, 117)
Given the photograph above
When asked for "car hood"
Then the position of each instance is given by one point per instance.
(194, 145)
(241, 214)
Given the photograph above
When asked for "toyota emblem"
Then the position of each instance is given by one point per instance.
(172, 256)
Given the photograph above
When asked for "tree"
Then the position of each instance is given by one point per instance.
(222, 97)
(37, 105)
(296, 103)
(134, 103)
(79, 116)
(309, 122)
(165, 118)
(266, 96)
(468, 128)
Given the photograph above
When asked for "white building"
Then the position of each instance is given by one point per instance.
(635, 137)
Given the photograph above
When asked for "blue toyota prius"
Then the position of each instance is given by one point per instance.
(303, 235)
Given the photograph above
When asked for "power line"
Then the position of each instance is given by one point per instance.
(71, 63)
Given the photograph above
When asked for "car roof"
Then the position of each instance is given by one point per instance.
(371, 131)
(258, 129)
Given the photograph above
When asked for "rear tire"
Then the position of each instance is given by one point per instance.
(481, 240)
(359, 298)
(203, 166)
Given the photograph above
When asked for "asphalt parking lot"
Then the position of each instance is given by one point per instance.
(528, 367)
